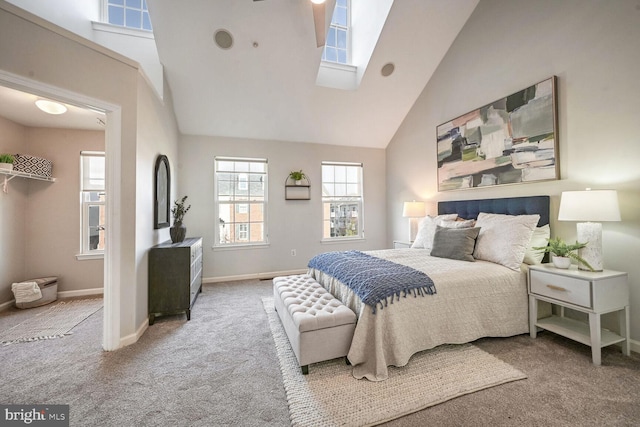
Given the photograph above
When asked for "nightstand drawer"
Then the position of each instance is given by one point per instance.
(566, 289)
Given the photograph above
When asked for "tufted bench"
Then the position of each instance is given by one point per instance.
(319, 327)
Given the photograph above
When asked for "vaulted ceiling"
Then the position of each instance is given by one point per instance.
(264, 86)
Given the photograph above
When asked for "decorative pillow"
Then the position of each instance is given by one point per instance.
(538, 239)
(454, 243)
(504, 239)
(458, 223)
(427, 228)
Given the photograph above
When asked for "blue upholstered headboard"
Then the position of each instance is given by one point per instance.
(469, 209)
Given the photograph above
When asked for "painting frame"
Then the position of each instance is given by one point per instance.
(162, 193)
(512, 140)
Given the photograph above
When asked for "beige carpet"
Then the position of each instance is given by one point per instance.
(55, 322)
(331, 396)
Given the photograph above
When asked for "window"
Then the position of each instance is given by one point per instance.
(128, 13)
(342, 202)
(241, 201)
(92, 202)
(336, 47)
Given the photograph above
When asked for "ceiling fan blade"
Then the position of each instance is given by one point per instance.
(320, 23)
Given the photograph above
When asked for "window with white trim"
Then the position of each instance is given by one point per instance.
(240, 186)
(342, 200)
(128, 13)
(337, 44)
(92, 202)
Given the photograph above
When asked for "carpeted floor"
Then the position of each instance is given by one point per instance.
(221, 369)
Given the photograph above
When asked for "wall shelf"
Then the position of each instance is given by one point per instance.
(293, 191)
(10, 174)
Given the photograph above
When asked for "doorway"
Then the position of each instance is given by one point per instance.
(112, 148)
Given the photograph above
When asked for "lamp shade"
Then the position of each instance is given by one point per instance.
(413, 209)
(589, 205)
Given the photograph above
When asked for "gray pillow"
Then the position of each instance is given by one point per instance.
(455, 243)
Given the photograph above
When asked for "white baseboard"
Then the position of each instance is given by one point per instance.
(80, 293)
(133, 338)
(6, 305)
(261, 276)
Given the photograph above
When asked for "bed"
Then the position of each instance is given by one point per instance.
(472, 299)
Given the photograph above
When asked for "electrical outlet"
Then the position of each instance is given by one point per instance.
(293, 252)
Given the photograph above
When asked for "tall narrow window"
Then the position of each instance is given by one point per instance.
(336, 47)
(92, 202)
(342, 201)
(241, 201)
(128, 13)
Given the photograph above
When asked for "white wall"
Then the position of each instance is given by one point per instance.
(293, 224)
(507, 45)
(77, 16)
(157, 134)
(12, 213)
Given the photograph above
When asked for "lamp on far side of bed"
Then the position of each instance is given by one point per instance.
(588, 207)
(413, 210)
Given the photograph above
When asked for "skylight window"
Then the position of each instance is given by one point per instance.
(336, 48)
(129, 13)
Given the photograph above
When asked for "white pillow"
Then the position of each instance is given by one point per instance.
(427, 229)
(538, 240)
(504, 239)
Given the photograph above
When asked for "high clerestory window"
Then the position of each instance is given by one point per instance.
(337, 45)
(128, 13)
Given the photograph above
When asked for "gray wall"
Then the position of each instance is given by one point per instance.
(52, 231)
(292, 224)
(12, 219)
(43, 219)
(594, 49)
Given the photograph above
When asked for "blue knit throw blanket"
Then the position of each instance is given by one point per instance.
(375, 280)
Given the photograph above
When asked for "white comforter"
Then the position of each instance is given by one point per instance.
(473, 300)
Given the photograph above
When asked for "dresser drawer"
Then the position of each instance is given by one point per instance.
(566, 289)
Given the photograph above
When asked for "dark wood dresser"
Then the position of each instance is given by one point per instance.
(175, 277)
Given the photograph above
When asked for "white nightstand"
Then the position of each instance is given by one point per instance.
(595, 293)
(399, 244)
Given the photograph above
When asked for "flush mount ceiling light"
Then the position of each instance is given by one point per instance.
(51, 107)
(317, 1)
(223, 39)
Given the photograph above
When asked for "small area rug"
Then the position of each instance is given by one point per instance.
(331, 396)
(55, 322)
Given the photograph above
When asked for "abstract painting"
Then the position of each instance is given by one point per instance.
(512, 140)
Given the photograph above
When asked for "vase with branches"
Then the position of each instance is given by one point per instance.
(178, 232)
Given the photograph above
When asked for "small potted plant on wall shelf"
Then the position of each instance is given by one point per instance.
(178, 232)
(562, 253)
(297, 176)
(6, 161)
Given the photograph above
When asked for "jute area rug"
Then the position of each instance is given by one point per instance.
(331, 396)
(55, 322)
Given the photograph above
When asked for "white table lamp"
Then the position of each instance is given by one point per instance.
(590, 207)
(413, 210)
